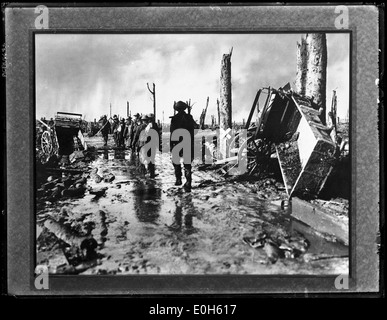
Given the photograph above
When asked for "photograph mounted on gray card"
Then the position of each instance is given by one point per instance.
(207, 149)
(265, 188)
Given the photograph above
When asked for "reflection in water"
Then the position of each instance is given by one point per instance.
(147, 200)
(319, 245)
(117, 154)
(186, 202)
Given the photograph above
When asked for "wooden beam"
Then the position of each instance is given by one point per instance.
(253, 108)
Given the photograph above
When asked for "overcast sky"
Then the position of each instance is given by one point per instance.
(84, 73)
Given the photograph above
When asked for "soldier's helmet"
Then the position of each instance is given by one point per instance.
(180, 106)
(137, 115)
(150, 115)
(144, 117)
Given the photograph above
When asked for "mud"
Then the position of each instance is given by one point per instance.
(149, 226)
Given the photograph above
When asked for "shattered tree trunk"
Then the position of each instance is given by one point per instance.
(332, 116)
(225, 111)
(153, 92)
(302, 66)
(217, 104)
(311, 76)
(203, 115)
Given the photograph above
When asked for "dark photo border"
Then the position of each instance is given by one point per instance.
(20, 156)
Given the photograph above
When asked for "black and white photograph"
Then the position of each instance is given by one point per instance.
(264, 190)
(190, 150)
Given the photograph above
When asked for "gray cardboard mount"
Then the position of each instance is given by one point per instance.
(20, 109)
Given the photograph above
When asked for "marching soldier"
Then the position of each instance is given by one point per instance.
(116, 123)
(142, 139)
(120, 133)
(105, 129)
(141, 126)
(127, 131)
(182, 120)
(151, 124)
(135, 124)
(156, 127)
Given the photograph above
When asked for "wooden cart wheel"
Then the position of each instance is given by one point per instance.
(258, 154)
(46, 143)
(255, 153)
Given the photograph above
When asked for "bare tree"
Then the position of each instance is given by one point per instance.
(153, 92)
(225, 92)
(203, 114)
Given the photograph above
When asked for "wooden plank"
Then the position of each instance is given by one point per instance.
(230, 159)
(290, 168)
(253, 109)
(319, 219)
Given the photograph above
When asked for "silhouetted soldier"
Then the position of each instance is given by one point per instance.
(156, 126)
(120, 133)
(141, 126)
(141, 137)
(105, 129)
(182, 120)
(151, 154)
(135, 124)
(115, 125)
(128, 131)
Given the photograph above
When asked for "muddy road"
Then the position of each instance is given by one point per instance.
(149, 226)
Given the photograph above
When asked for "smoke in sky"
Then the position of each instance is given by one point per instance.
(85, 73)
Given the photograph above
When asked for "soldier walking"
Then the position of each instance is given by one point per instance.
(105, 129)
(151, 154)
(141, 126)
(127, 131)
(135, 124)
(182, 120)
(120, 133)
(116, 123)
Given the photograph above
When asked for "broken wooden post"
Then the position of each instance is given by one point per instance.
(253, 108)
(225, 101)
(189, 106)
(203, 115)
(153, 92)
(331, 120)
(217, 104)
(203, 150)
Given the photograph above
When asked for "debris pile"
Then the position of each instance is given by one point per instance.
(289, 246)
(78, 236)
(70, 179)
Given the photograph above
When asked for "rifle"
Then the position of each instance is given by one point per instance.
(103, 126)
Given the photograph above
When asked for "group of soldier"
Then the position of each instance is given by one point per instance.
(133, 134)
(126, 132)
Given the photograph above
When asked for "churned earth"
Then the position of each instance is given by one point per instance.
(149, 226)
